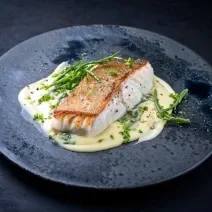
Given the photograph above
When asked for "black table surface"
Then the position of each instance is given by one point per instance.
(185, 21)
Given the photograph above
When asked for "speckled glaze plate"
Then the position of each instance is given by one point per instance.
(174, 152)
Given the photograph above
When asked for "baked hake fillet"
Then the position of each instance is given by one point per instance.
(94, 104)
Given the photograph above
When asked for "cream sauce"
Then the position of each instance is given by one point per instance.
(150, 125)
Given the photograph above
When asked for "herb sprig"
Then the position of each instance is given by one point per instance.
(113, 73)
(126, 131)
(71, 76)
(165, 113)
(129, 119)
(128, 62)
(53, 106)
(45, 98)
(38, 117)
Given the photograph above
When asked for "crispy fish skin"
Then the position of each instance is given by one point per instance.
(94, 105)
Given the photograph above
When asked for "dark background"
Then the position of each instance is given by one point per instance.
(185, 21)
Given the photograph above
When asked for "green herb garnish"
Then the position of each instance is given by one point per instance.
(112, 137)
(55, 74)
(100, 140)
(43, 86)
(91, 91)
(67, 139)
(140, 131)
(113, 73)
(165, 113)
(126, 132)
(66, 142)
(53, 106)
(128, 62)
(51, 137)
(143, 108)
(71, 76)
(129, 119)
(38, 117)
(66, 136)
(178, 99)
(45, 98)
(133, 115)
(28, 98)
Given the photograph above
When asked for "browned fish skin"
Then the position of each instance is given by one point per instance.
(90, 97)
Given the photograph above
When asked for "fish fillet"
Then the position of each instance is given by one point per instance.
(94, 105)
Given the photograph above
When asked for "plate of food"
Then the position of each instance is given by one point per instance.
(105, 107)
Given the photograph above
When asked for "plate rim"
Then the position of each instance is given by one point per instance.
(10, 156)
(61, 182)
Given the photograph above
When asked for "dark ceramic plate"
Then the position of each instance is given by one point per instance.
(175, 151)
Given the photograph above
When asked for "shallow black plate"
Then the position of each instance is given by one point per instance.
(175, 151)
